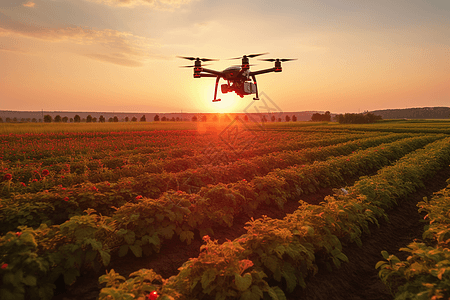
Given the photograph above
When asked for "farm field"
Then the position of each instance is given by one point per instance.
(211, 211)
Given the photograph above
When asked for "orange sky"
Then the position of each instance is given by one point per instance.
(120, 55)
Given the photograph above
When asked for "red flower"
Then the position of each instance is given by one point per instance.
(23, 184)
(18, 233)
(45, 172)
(4, 266)
(66, 199)
(138, 197)
(7, 177)
(153, 295)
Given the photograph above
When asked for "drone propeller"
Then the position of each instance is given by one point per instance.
(278, 59)
(193, 66)
(197, 58)
(251, 65)
(249, 56)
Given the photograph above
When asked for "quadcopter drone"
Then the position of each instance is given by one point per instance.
(239, 78)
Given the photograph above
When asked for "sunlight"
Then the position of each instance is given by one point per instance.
(228, 103)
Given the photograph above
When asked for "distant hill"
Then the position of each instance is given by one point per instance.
(415, 113)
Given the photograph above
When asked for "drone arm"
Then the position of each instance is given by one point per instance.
(207, 75)
(216, 73)
(262, 71)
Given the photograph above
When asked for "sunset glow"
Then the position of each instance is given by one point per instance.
(114, 55)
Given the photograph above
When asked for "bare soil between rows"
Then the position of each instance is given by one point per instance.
(355, 280)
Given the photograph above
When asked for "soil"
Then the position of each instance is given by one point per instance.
(355, 280)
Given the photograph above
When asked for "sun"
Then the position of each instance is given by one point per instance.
(229, 101)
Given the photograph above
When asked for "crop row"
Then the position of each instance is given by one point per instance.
(426, 272)
(60, 203)
(111, 165)
(34, 258)
(285, 252)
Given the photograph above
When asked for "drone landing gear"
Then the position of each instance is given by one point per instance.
(256, 86)
(215, 90)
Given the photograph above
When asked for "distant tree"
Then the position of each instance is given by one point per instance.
(156, 118)
(164, 118)
(34, 120)
(204, 118)
(133, 119)
(273, 119)
(8, 120)
(15, 120)
(127, 119)
(94, 120)
(143, 118)
(23, 120)
(263, 119)
(65, 119)
(47, 119)
(294, 118)
(101, 119)
(177, 119)
(1, 120)
(71, 120)
(58, 119)
(116, 119)
(279, 119)
(215, 118)
(89, 119)
(28, 119)
(363, 118)
(246, 118)
(173, 119)
(111, 119)
(77, 119)
(288, 119)
(194, 119)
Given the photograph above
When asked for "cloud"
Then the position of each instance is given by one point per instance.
(116, 58)
(29, 4)
(122, 48)
(158, 4)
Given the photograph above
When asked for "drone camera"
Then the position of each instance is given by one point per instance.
(249, 87)
(197, 75)
(225, 88)
(278, 69)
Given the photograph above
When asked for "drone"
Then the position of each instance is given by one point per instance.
(239, 78)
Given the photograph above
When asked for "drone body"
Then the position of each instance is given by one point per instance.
(239, 79)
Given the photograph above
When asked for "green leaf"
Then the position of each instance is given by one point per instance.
(29, 280)
(123, 250)
(106, 257)
(168, 232)
(249, 295)
(130, 237)
(276, 293)
(137, 250)
(243, 282)
(208, 277)
(70, 276)
(187, 236)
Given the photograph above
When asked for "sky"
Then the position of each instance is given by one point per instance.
(121, 55)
